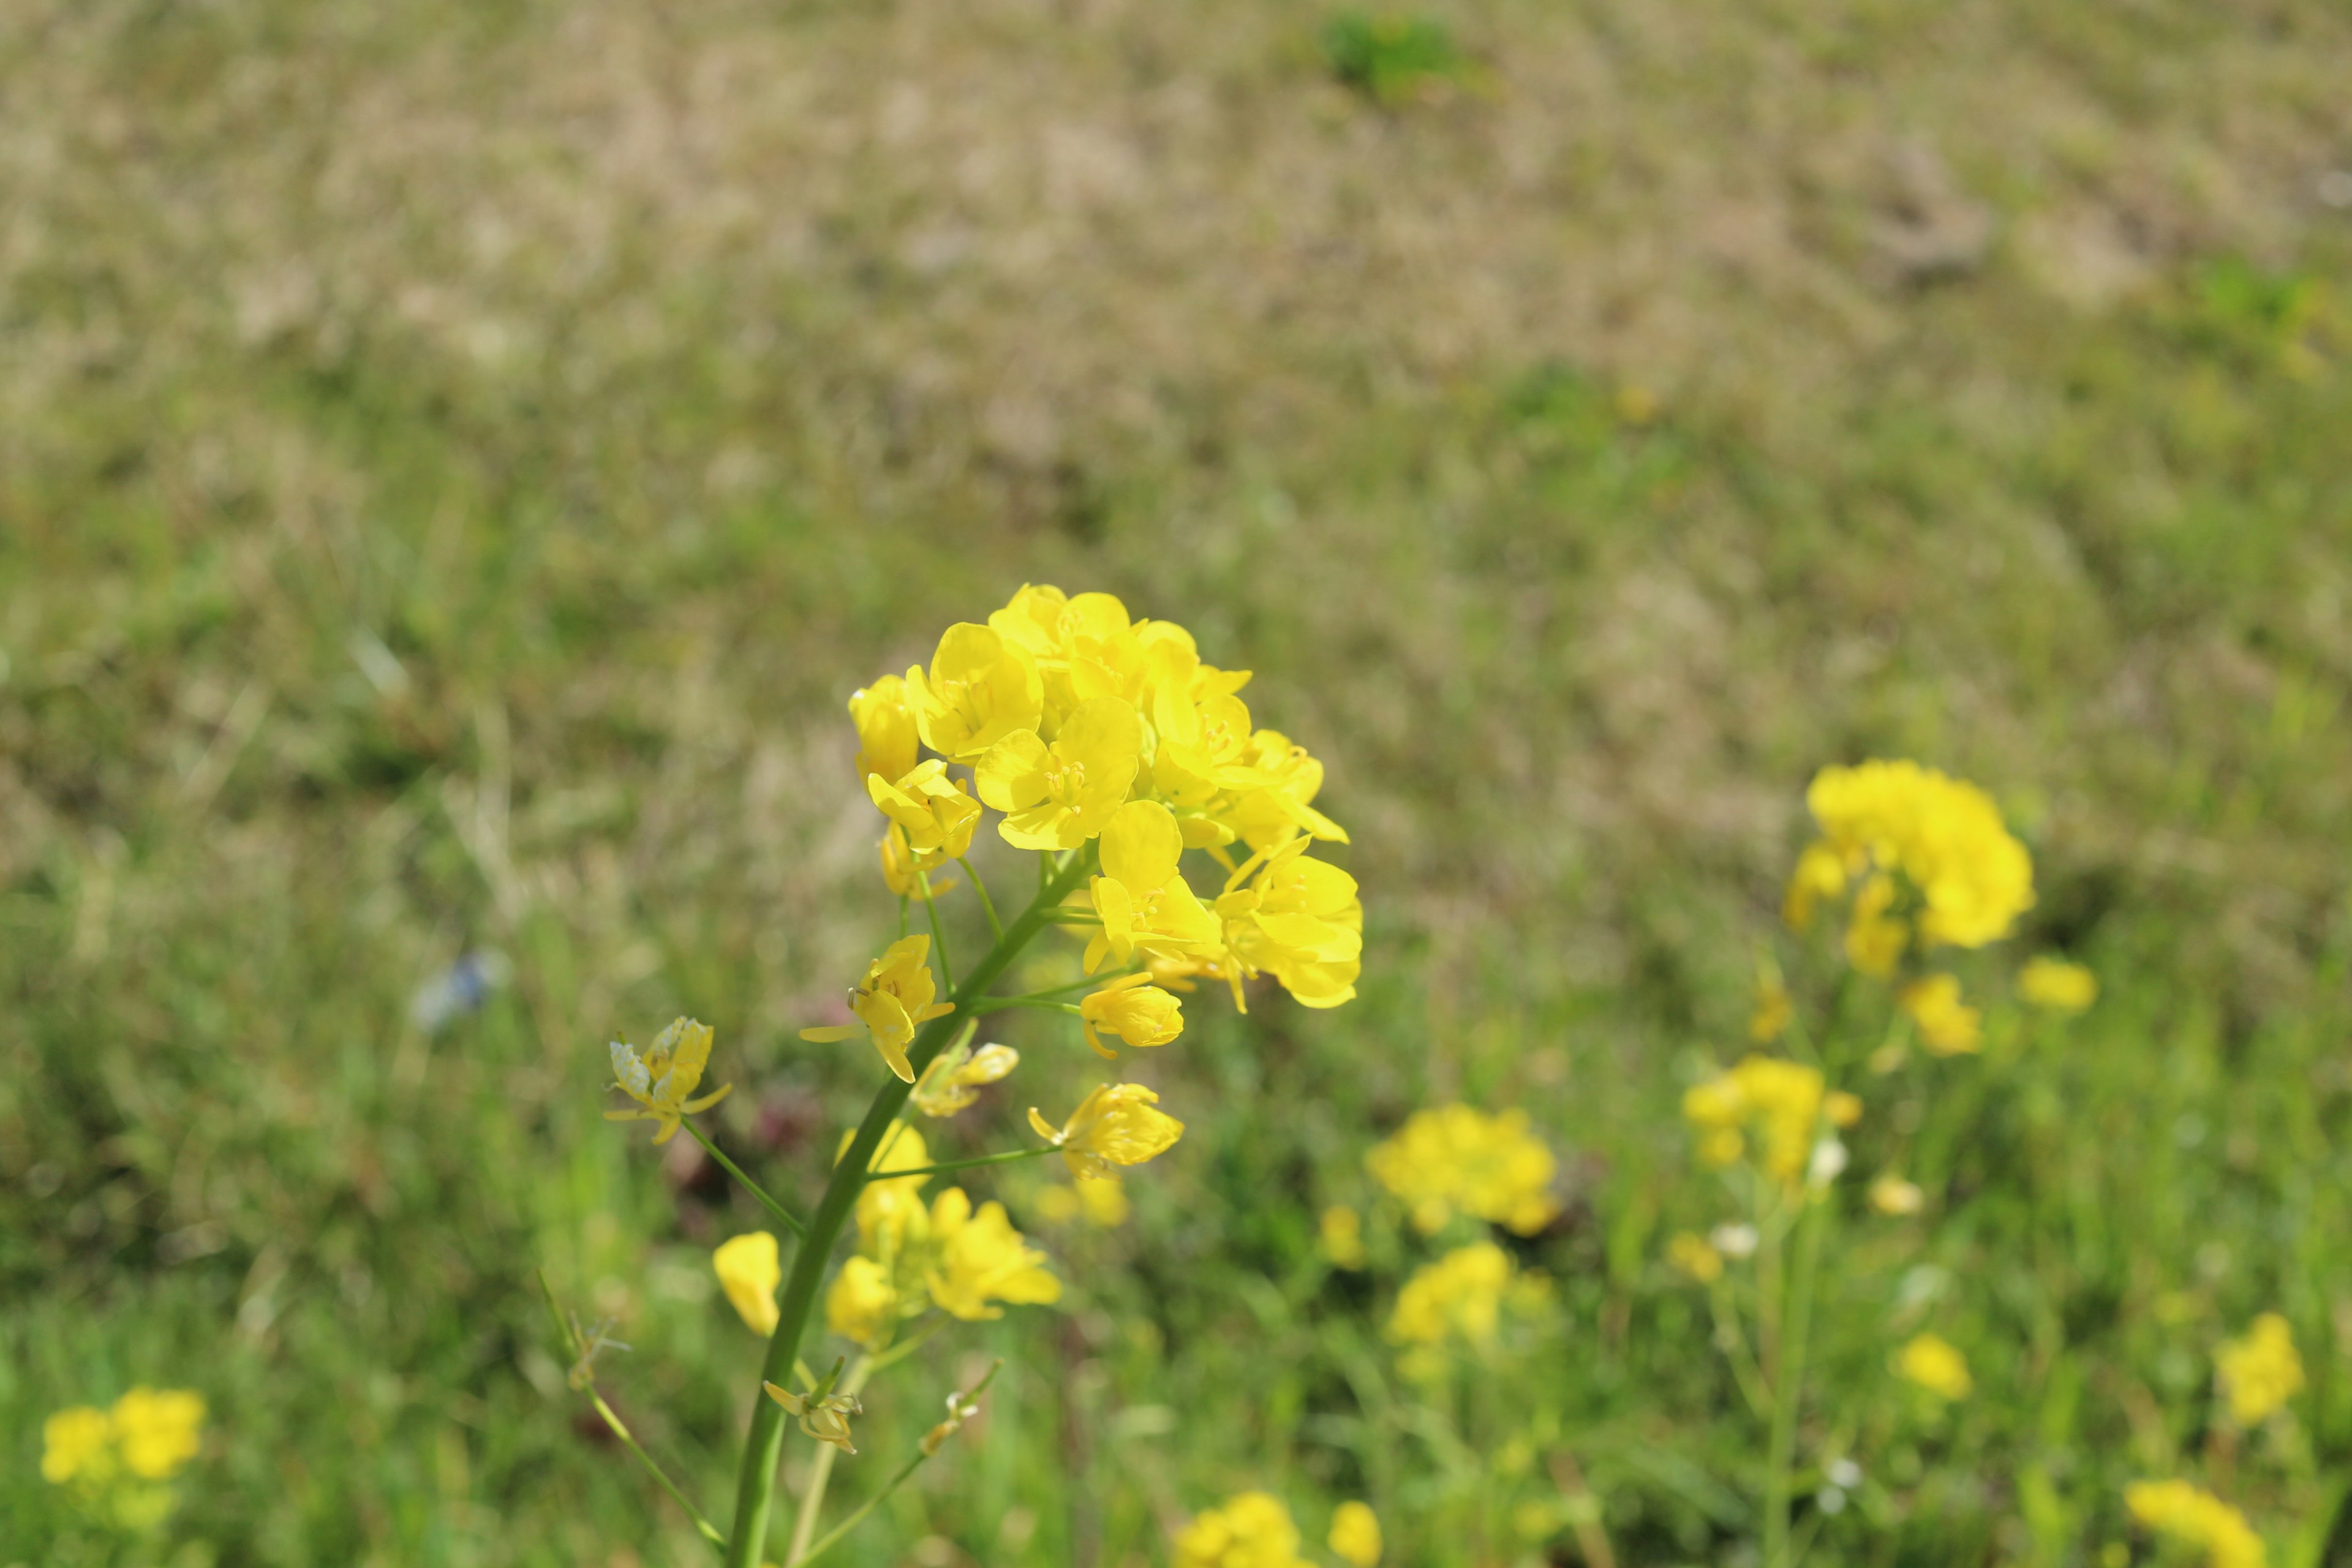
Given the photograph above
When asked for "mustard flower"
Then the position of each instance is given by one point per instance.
(887, 740)
(891, 1003)
(1694, 1256)
(957, 1075)
(1934, 1365)
(158, 1431)
(1251, 1530)
(1891, 1195)
(1772, 1010)
(1947, 1026)
(980, 1259)
(1356, 1534)
(1820, 877)
(1875, 940)
(1456, 1158)
(2057, 985)
(931, 808)
(1342, 1232)
(1298, 919)
(661, 1081)
(1058, 795)
(1282, 805)
(1784, 1102)
(78, 1444)
(978, 689)
(861, 1303)
(1101, 1204)
(825, 1417)
(1460, 1296)
(1114, 1125)
(749, 1270)
(1943, 835)
(1141, 897)
(1203, 743)
(891, 1207)
(2261, 1371)
(905, 872)
(1133, 1009)
(2195, 1517)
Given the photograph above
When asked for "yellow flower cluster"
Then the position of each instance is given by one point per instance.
(1694, 1256)
(1948, 1025)
(1459, 1300)
(2057, 985)
(2195, 1517)
(2261, 1371)
(946, 1254)
(1456, 1159)
(1783, 1102)
(1934, 864)
(1934, 1364)
(1251, 1530)
(149, 1435)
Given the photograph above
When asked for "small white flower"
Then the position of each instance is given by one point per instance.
(1734, 1240)
(1828, 1162)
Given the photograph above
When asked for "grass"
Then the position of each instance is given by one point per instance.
(455, 461)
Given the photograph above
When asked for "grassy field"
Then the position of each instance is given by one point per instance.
(455, 461)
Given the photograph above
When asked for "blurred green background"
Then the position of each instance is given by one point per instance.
(455, 460)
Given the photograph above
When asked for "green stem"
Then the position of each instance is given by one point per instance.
(1089, 984)
(892, 1485)
(999, 1004)
(987, 904)
(1007, 1158)
(939, 937)
(785, 1215)
(763, 1446)
(1788, 1386)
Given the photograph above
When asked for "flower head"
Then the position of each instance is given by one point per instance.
(149, 1435)
(1251, 1530)
(931, 808)
(1135, 1010)
(1782, 1102)
(862, 1304)
(1356, 1534)
(2261, 1371)
(1947, 1026)
(886, 742)
(1772, 1009)
(823, 1416)
(1456, 1158)
(1933, 1363)
(980, 688)
(1058, 796)
(891, 1003)
(957, 1075)
(1141, 897)
(2057, 985)
(1694, 1256)
(77, 1444)
(662, 1080)
(749, 1270)
(1298, 919)
(2194, 1516)
(1114, 1125)
(979, 1258)
(1458, 1298)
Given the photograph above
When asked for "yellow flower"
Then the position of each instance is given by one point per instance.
(1101, 1204)
(861, 1305)
(77, 1444)
(1203, 740)
(1784, 1100)
(2261, 1371)
(1114, 1125)
(891, 1003)
(1342, 1231)
(1138, 1011)
(825, 1418)
(1935, 1365)
(930, 807)
(1298, 919)
(1842, 1110)
(1773, 1011)
(1460, 1296)
(978, 689)
(1891, 1195)
(1456, 1158)
(749, 1270)
(890, 1208)
(1947, 1026)
(158, 1430)
(663, 1079)
(904, 871)
(1141, 897)
(1356, 1534)
(885, 728)
(2056, 984)
(1943, 835)
(1279, 808)
(2192, 1515)
(1874, 939)
(1251, 1530)
(980, 1259)
(1057, 796)
(1696, 1256)
(956, 1076)
(1820, 877)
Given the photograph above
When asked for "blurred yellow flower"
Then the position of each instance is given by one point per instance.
(2195, 1517)
(151, 1434)
(77, 1444)
(2056, 984)
(1456, 1158)
(891, 1003)
(1114, 1125)
(1694, 1256)
(1134, 1009)
(891, 1207)
(665, 1076)
(1842, 1110)
(886, 743)
(1970, 878)
(1343, 1234)
(861, 1304)
(1251, 1530)
(979, 1258)
(1058, 795)
(1141, 897)
(1820, 877)
(1875, 940)
(957, 1075)
(1891, 1195)
(931, 808)
(1460, 1296)
(1102, 1204)
(750, 1270)
(1356, 1534)
(1784, 1100)
(1772, 1009)
(2261, 1371)
(1935, 1365)
(825, 1418)
(978, 689)
(1947, 1026)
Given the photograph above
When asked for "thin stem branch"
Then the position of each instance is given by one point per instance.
(1007, 1158)
(987, 904)
(1788, 1387)
(939, 937)
(821, 1471)
(892, 1485)
(1091, 981)
(784, 1216)
(999, 1004)
(1744, 1369)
